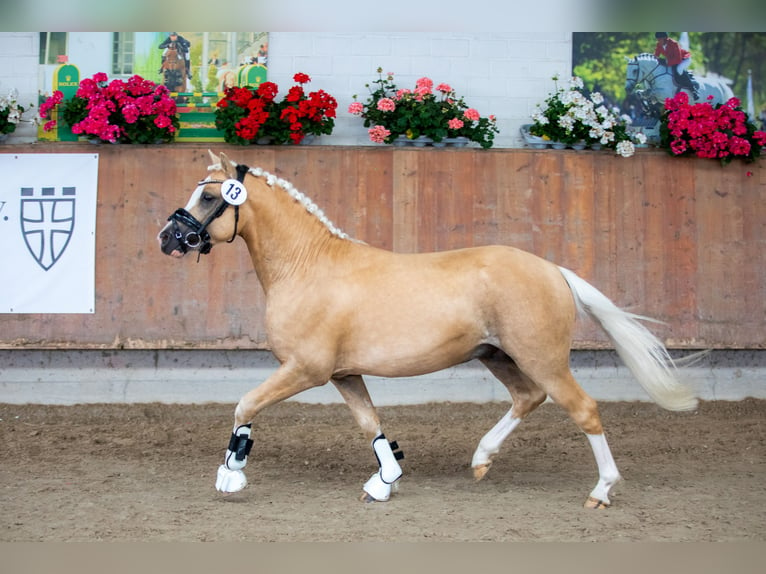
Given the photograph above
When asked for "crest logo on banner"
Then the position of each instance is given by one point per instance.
(48, 232)
(47, 222)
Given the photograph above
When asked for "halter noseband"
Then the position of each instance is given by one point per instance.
(197, 237)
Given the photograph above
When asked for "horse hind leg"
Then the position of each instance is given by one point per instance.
(526, 397)
(385, 480)
(582, 409)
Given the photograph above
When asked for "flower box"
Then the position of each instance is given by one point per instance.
(423, 141)
(117, 111)
(425, 115)
(249, 115)
(721, 131)
(569, 118)
(537, 142)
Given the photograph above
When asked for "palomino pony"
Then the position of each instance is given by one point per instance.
(338, 309)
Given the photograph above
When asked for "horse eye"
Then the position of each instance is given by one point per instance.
(208, 197)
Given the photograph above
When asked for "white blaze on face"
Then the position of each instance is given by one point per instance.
(194, 199)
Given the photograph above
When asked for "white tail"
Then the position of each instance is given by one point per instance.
(642, 352)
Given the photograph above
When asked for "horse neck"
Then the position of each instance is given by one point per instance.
(285, 241)
(658, 76)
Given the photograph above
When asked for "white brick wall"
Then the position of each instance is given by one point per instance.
(500, 74)
(18, 69)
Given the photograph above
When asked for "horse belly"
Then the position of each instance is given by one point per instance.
(411, 343)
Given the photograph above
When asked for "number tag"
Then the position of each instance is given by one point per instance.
(234, 193)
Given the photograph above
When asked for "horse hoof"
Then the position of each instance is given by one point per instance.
(367, 498)
(595, 503)
(480, 471)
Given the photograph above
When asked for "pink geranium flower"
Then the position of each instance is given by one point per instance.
(378, 134)
(386, 105)
(420, 113)
(424, 84)
(471, 115)
(356, 108)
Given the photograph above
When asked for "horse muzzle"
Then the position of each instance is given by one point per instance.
(183, 233)
(170, 242)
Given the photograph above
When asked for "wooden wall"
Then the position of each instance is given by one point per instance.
(682, 240)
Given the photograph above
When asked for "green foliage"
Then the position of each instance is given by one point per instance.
(212, 79)
(74, 110)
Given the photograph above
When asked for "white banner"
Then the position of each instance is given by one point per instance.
(48, 232)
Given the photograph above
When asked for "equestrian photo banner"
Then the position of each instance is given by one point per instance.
(48, 232)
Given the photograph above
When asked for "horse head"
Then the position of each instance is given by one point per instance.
(638, 70)
(207, 219)
(651, 73)
(172, 52)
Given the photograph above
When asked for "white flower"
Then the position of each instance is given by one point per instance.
(576, 82)
(576, 113)
(606, 137)
(625, 148)
(581, 113)
(566, 122)
(640, 137)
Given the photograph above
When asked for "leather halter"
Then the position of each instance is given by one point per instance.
(197, 236)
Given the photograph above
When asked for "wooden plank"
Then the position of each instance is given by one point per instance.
(680, 239)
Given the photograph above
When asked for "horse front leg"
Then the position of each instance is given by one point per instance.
(283, 384)
(383, 482)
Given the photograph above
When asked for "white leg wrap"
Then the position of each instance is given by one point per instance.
(608, 475)
(236, 459)
(382, 483)
(390, 471)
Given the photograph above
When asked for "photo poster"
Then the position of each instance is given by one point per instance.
(723, 64)
(195, 66)
(48, 232)
(214, 60)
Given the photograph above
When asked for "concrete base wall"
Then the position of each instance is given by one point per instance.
(137, 376)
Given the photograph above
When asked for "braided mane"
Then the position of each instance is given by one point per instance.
(644, 56)
(298, 196)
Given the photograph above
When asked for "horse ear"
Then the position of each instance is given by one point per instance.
(227, 166)
(213, 157)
